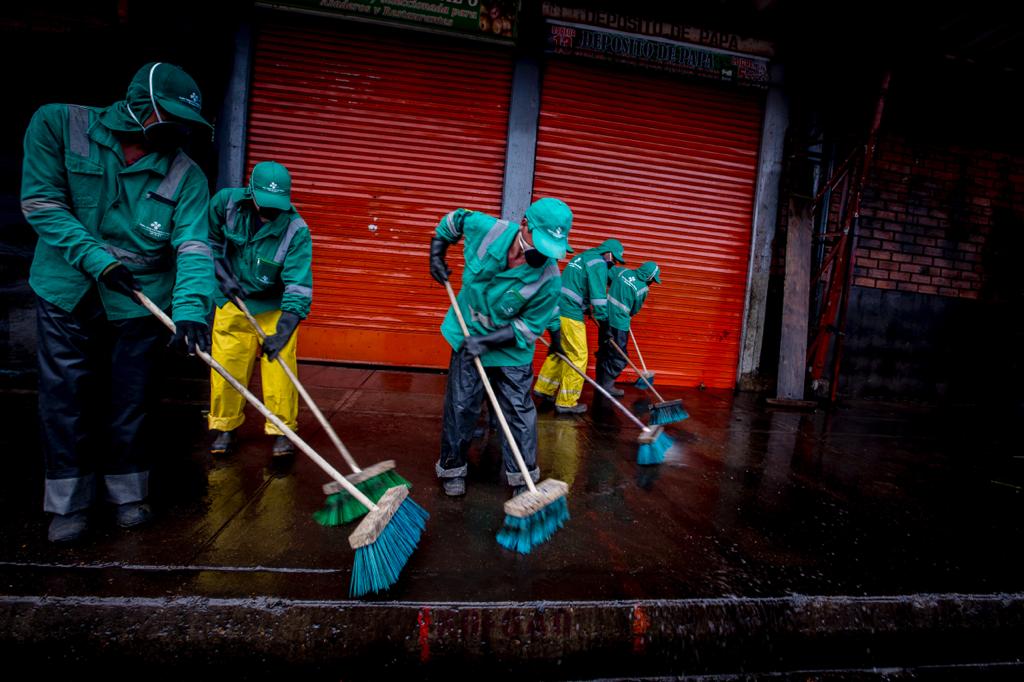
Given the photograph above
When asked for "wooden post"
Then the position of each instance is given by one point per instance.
(795, 301)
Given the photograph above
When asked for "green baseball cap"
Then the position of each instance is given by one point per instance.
(171, 88)
(271, 185)
(549, 221)
(649, 271)
(614, 247)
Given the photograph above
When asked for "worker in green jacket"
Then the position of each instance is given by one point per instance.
(584, 290)
(510, 289)
(626, 295)
(118, 208)
(263, 254)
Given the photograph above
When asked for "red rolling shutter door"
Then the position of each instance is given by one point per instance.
(669, 168)
(382, 130)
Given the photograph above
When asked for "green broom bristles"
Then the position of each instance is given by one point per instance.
(341, 508)
(654, 453)
(521, 534)
(666, 414)
(378, 564)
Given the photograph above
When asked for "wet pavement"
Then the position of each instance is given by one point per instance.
(870, 502)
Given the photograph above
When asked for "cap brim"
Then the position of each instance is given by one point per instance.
(619, 257)
(657, 278)
(183, 112)
(268, 200)
(549, 246)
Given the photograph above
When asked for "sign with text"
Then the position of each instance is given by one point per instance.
(489, 19)
(656, 53)
(630, 23)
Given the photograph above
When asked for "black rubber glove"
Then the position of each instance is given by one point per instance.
(439, 270)
(286, 326)
(227, 281)
(478, 345)
(119, 278)
(556, 342)
(188, 335)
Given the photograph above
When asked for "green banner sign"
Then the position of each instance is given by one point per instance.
(489, 19)
(657, 53)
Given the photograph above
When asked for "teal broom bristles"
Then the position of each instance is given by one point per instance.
(654, 453)
(668, 413)
(644, 382)
(341, 508)
(522, 534)
(377, 565)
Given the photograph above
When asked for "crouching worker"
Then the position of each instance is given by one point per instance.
(509, 293)
(263, 256)
(584, 288)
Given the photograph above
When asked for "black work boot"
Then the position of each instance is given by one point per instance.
(223, 442)
(133, 514)
(609, 385)
(283, 447)
(454, 487)
(578, 408)
(68, 527)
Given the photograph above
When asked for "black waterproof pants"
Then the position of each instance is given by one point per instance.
(94, 398)
(610, 362)
(463, 396)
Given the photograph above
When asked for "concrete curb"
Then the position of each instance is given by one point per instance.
(540, 639)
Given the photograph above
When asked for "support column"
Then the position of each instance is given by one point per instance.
(524, 111)
(796, 301)
(766, 209)
(232, 123)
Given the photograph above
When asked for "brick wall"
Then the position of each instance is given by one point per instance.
(927, 214)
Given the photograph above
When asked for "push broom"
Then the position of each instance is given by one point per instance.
(646, 379)
(531, 517)
(653, 441)
(372, 481)
(386, 538)
(663, 411)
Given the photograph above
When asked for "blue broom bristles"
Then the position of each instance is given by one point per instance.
(521, 534)
(644, 382)
(376, 566)
(668, 414)
(654, 453)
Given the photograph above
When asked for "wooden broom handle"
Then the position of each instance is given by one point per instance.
(240, 304)
(625, 410)
(638, 353)
(255, 402)
(649, 384)
(490, 393)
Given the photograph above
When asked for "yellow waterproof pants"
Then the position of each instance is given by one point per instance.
(555, 375)
(235, 343)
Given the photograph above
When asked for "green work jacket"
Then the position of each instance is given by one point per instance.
(626, 295)
(493, 295)
(272, 261)
(91, 210)
(585, 285)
